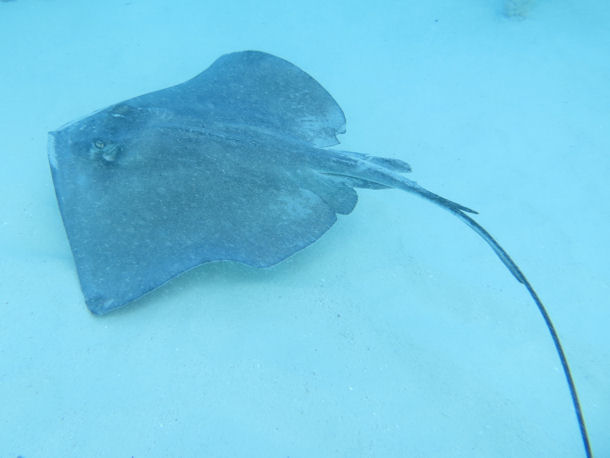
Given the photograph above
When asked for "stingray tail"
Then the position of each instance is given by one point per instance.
(363, 171)
(460, 212)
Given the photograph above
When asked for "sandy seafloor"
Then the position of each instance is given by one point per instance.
(399, 333)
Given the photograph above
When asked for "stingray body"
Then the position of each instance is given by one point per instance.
(231, 165)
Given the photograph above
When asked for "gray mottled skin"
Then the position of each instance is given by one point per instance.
(229, 165)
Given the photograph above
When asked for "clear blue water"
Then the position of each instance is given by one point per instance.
(399, 333)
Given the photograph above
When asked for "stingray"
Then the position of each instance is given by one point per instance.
(231, 165)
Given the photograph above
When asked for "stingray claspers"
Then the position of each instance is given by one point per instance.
(231, 165)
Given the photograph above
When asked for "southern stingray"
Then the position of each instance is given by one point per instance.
(228, 166)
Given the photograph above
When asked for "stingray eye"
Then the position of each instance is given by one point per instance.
(99, 144)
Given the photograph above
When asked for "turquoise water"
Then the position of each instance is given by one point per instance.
(398, 333)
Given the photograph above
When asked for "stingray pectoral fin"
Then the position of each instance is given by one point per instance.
(266, 92)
